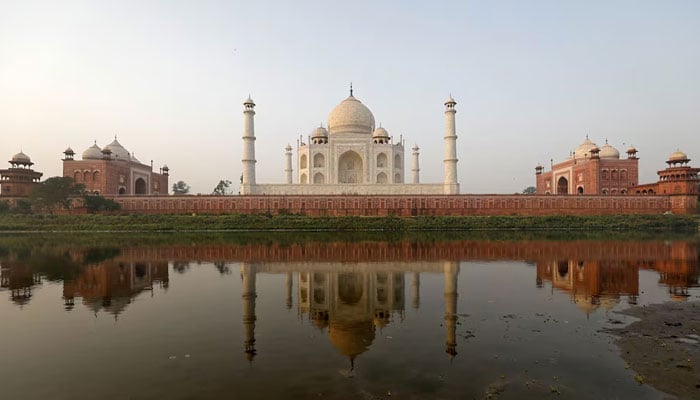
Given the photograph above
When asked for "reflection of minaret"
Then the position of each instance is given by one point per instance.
(290, 287)
(249, 295)
(451, 272)
(415, 286)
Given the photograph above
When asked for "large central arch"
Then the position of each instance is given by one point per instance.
(350, 167)
(562, 186)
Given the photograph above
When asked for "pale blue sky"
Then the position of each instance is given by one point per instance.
(531, 79)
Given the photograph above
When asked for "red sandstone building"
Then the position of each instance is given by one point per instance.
(112, 170)
(591, 170)
(600, 171)
(20, 179)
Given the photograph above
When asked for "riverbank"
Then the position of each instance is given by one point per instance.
(663, 347)
(258, 222)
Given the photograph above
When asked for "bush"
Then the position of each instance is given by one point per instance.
(96, 203)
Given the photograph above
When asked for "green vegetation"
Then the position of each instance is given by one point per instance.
(55, 193)
(257, 222)
(180, 187)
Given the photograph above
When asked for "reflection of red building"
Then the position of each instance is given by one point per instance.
(19, 279)
(603, 282)
(592, 283)
(112, 285)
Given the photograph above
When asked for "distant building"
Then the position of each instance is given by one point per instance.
(600, 171)
(677, 178)
(591, 170)
(20, 179)
(112, 170)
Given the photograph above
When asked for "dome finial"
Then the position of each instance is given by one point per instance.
(351, 89)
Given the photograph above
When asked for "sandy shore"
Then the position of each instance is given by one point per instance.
(663, 347)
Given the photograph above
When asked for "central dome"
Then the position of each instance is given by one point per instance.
(351, 116)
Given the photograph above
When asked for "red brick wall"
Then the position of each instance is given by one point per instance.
(410, 205)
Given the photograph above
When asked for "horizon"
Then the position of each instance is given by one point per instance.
(531, 81)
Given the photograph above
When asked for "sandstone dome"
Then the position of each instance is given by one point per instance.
(21, 158)
(92, 153)
(678, 156)
(351, 116)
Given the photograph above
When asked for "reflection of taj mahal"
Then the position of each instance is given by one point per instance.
(351, 304)
(351, 156)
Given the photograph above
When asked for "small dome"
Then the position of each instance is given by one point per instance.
(68, 151)
(678, 156)
(118, 151)
(584, 149)
(631, 150)
(21, 158)
(351, 116)
(415, 147)
(165, 167)
(319, 132)
(248, 101)
(609, 152)
(380, 133)
(450, 100)
(92, 153)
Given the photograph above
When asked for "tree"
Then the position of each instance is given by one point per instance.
(95, 203)
(181, 188)
(530, 190)
(222, 188)
(55, 193)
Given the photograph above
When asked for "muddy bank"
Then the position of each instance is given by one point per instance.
(663, 347)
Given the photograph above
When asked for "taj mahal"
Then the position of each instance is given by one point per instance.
(351, 156)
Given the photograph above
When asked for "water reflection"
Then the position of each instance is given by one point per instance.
(354, 294)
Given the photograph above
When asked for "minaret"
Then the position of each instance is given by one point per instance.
(249, 295)
(416, 168)
(248, 173)
(290, 286)
(415, 289)
(451, 271)
(451, 185)
(288, 164)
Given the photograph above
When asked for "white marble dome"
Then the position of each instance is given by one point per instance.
(118, 151)
(319, 132)
(351, 116)
(380, 133)
(584, 149)
(92, 153)
(608, 151)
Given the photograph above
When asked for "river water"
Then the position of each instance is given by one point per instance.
(265, 316)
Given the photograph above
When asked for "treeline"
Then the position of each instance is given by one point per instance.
(258, 222)
(58, 195)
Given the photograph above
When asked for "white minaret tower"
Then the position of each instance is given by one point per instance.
(451, 184)
(288, 164)
(415, 169)
(248, 173)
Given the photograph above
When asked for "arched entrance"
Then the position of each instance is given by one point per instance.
(350, 168)
(579, 190)
(562, 186)
(122, 190)
(140, 186)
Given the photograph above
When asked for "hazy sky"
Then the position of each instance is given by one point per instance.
(531, 79)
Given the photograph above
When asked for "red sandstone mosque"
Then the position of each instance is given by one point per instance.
(600, 171)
